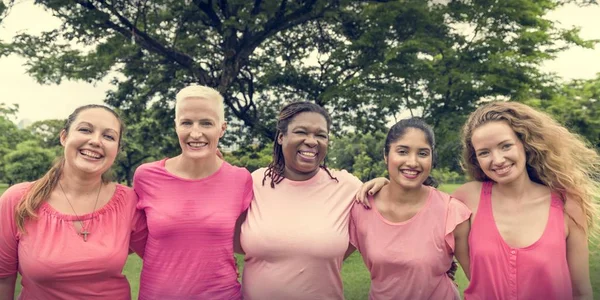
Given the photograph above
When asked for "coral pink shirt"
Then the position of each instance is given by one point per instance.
(409, 260)
(295, 237)
(189, 251)
(53, 259)
(498, 271)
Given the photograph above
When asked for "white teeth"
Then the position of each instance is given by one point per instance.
(311, 154)
(503, 170)
(410, 172)
(197, 144)
(90, 154)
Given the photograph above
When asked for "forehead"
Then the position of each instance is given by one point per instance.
(492, 133)
(414, 138)
(98, 117)
(309, 120)
(197, 107)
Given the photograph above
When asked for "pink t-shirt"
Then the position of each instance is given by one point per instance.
(498, 271)
(189, 252)
(55, 262)
(295, 237)
(409, 260)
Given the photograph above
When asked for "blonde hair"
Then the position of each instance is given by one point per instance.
(42, 188)
(556, 158)
(202, 92)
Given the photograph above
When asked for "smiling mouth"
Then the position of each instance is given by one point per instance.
(503, 170)
(410, 173)
(197, 144)
(90, 154)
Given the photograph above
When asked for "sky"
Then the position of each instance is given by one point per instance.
(40, 102)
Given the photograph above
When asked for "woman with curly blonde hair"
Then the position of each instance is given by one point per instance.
(532, 202)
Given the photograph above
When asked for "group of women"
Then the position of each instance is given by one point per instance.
(520, 230)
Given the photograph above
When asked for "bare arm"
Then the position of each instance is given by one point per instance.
(7, 287)
(237, 245)
(461, 248)
(578, 252)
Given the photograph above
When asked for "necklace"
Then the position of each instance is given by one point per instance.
(84, 231)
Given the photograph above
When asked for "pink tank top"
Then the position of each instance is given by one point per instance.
(498, 271)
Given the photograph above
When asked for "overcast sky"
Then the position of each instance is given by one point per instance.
(40, 102)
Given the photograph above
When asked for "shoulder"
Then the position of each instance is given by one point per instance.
(575, 212)
(14, 193)
(258, 174)
(238, 172)
(345, 177)
(468, 193)
(147, 167)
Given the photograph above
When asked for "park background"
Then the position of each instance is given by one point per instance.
(368, 62)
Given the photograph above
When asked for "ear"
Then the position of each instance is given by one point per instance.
(223, 128)
(280, 138)
(63, 137)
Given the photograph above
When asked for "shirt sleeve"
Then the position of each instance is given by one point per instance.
(139, 232)
(139, 226)
(354, 240)
(248, 192)
(9, 241)
(457, 213)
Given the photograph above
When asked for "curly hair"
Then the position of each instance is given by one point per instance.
(276, 168)
(555, 157)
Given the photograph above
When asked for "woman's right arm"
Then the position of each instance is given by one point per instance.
(7, 287)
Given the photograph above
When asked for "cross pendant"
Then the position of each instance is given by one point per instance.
(84, 233)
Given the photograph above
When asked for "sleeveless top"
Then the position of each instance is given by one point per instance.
(498, 271)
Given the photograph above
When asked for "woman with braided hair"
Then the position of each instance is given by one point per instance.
(295, 234)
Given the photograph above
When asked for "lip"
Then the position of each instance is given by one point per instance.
(308, 155)
(188, 144)
(100, 155)
(410, 176)
(502, 170)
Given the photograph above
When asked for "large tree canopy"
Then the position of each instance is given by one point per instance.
(366, 61)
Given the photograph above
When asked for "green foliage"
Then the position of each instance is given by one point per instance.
(251, 158)
(48, 132)
(365, 61)
(360, 154)
(446, 176)
(27, 162)
(577, 105)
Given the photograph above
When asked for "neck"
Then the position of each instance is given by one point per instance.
(395, 193)
(76, 184)
(297, 176)
(197, 168)
(515, 190)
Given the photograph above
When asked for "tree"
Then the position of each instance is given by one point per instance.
(251, 158)
(27, 162)
(48, 132)
(365, 61)
(576, 105)
(359, 154)
(11, 134)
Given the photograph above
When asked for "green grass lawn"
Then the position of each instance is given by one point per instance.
(354, 273)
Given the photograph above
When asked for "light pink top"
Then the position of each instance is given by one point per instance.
(55, 262)
(295, 237)
(498, 271)
(409, 260)
(189, 252)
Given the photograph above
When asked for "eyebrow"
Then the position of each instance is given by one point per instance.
(91, 125)
(504, 141)
(404, 146)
